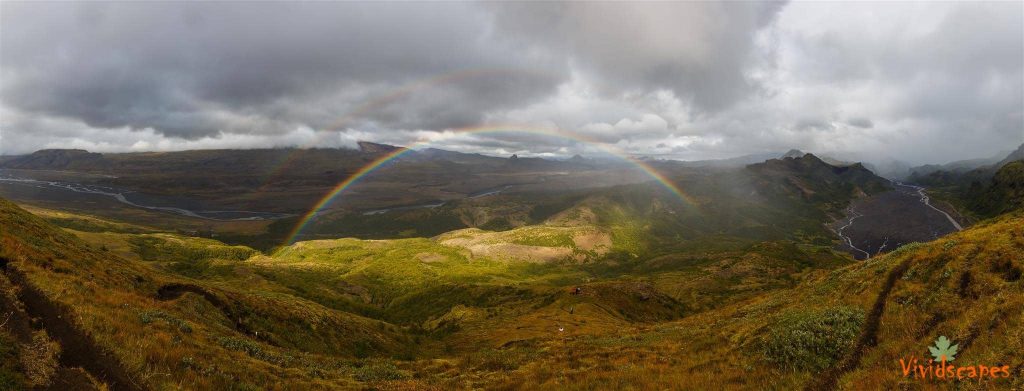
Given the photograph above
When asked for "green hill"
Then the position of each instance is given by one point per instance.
(1004, 192)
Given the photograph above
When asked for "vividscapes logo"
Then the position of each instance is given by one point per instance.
(940, 368)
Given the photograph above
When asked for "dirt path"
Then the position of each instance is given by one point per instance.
(868, 335)
(78, 350)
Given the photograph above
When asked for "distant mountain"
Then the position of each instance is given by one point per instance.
(989, 164)
(58, 159)
(1013, 156)
(889, 168)
(814, 179)
(368, 147)
(987, 190)
(239, 163)
(793, 153)
(454, 157)
(965, 172)
(734, 162)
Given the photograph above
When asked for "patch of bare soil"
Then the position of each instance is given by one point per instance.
(430, 257)
(30, 309)
(596, 241)
(513, 252)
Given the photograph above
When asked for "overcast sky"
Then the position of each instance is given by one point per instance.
(919, 82)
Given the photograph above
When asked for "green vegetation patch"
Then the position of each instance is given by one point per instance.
(254, 350)
(812, 339)
(147, 317)
(165, 248)
(379, 370)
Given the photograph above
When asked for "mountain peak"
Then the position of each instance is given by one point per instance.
(368, 147)
(793, 153)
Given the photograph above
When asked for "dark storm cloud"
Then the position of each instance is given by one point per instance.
(861, 122)
(921, 82)
(189, 69)
(699, 50)
(946, 84)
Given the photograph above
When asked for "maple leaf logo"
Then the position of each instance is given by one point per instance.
(942, 350)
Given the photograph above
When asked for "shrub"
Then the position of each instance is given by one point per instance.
(949, 245)
(379, 371)
(907, 248)
(254, 350)
(147, 317)
(812, 340)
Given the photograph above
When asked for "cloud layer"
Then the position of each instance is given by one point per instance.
(918, 82)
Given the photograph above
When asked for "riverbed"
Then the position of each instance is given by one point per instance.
(888, 220)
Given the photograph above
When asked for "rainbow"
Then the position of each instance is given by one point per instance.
(367, 169)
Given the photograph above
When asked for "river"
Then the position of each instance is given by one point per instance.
(887, 220)
(134, 199)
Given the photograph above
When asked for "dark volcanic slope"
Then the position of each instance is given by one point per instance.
(887, 220)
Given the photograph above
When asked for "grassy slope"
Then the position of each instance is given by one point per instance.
(967, 287)
(471, 320)
(191, 341)
(437, 295)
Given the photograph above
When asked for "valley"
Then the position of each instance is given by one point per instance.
(888, 220)
(571, 281)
